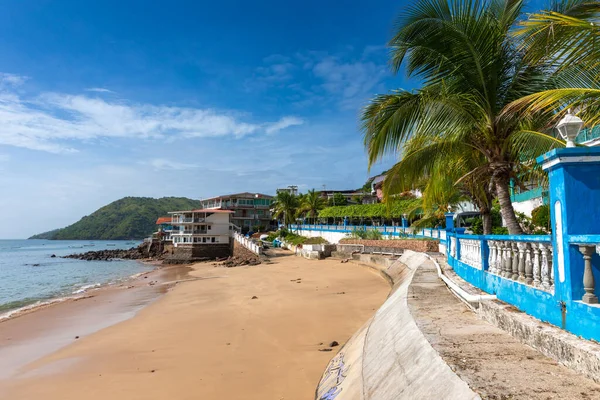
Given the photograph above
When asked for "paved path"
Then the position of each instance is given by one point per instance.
(493, 363)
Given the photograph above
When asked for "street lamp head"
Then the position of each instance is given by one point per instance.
(569, 127)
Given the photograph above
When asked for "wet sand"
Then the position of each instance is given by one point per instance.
(205, 339)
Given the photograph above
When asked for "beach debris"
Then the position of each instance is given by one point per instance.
(333, 344)
(345, 260)
(76, 337)
(153, 371)
(228, 344)
(325, 349)
(254, 297)
(341, 293)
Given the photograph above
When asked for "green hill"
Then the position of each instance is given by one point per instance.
(127, 218)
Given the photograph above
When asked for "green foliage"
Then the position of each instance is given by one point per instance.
(380, 210)
(540, 216)
(338, 200)
(285, 207)
(477, 222)
(370, 234)
(295, 239)
(311, 203)
(127, 218)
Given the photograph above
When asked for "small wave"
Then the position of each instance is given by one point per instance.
(85, 288)
(28, 307)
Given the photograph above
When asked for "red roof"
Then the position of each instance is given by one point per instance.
(163, 220)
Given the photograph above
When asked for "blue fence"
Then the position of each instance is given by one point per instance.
(519, 270)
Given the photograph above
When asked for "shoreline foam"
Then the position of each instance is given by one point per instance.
(42, 303)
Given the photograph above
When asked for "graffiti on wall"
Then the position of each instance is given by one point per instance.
(336, 371)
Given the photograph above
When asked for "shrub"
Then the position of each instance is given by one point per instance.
(371, 234)
(540, 216)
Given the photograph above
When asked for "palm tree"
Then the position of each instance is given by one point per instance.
(472, 70)
(311, 204)
(566, 38)
(446, 176)
(285, 207)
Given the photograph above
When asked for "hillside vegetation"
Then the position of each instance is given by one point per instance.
(127, 218)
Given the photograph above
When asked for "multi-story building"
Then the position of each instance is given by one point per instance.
(201, 226)
(201, 233)
(250, 210)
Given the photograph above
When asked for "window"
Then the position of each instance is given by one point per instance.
(203, 240)
(209, 227)
(212, 239)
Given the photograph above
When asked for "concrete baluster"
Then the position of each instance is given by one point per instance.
(537, 265)
(492, 256)
(589, 283)
(528, 264)
(515, 262)
(545, 265)
(521, 246)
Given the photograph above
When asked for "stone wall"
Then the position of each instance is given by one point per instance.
(198, 252)
(391, 246)
(241, 252)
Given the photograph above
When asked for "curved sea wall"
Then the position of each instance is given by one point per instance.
(389, 358)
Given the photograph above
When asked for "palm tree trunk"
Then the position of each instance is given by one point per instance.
(486, 218)
(506, 207)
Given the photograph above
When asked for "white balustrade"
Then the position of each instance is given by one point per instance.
(470, 252)
(526, 262)
(247, 243)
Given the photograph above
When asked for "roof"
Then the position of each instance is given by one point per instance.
(204, 210)
(243, 194)
(163, 220)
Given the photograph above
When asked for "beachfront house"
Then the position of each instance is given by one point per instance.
(202, 226)
(250, 211)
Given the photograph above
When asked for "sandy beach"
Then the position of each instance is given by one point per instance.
(206, 338)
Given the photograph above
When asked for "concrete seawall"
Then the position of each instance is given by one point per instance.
(389, 358)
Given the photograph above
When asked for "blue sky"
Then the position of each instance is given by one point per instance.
(100, 100)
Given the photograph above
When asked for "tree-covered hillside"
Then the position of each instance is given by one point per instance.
(127, 218)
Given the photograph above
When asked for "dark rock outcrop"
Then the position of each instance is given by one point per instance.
(134, 253)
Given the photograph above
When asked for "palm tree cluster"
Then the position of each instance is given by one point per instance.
(494, 84)
(287, 207)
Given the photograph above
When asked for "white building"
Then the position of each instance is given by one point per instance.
(201, 227)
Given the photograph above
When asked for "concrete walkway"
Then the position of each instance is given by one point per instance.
(489, 360)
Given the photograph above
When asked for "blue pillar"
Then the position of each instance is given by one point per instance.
(404, 222)
(574, 175)
(449, 222)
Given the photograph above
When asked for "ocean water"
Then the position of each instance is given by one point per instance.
(29, 275)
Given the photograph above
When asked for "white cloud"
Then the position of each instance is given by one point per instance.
(160, 164)
(283, 123)
(99, 90)
(54, 122)
(12, 79)
(353, 82)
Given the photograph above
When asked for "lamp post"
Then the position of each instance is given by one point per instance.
(569, 127)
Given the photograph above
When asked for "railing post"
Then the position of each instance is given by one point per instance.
(589, 284)
(574, 177)
(485, 252)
